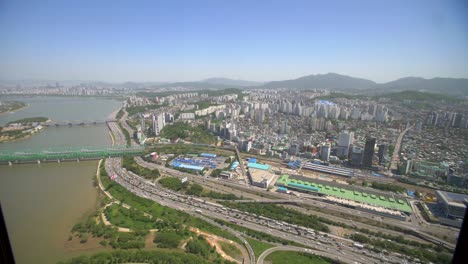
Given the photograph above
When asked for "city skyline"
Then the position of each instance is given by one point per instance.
(263, 41)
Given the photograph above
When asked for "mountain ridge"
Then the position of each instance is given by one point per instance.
(330, 81)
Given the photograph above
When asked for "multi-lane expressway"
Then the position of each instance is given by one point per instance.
(200, 208)
(309, 200)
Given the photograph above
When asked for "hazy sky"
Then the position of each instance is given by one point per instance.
(254, 40)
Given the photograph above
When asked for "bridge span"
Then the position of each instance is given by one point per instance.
(78, 123)
(64, 154)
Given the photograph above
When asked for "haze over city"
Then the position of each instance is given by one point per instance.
(234, 132)
(119, 41)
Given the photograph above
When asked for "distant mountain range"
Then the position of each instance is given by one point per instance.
(213, 83)
(231, 82)
(450, 86)
(333, 81)
(330, 81)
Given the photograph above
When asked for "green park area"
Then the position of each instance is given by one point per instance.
(175, 184)
(197, 134)
(353, 195)
(231, 250)
(295, 258)
(151, 225)
(178, 149)
(29, 120)
(10, 106)
(130, 164)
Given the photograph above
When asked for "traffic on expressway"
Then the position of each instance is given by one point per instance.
(306, 199)
(327, 243)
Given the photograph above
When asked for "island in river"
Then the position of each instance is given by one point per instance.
(22, 128)
(11, 106)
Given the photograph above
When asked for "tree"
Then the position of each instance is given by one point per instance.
(195, 189)
(83, 237)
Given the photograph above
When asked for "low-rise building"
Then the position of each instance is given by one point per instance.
(260, 178)
(453, 204)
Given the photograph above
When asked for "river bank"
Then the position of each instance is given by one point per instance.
(10, 107)
(22, 128)
(42, 202)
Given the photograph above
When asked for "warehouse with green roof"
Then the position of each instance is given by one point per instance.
(344, 192)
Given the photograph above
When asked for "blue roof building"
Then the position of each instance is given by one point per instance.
(258, 166)
(187, 166)
(208, 155)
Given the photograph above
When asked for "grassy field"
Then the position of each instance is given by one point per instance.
(131, 218)
(231, 250)
(178, 149)
(198, 134)
(280, 257)
(259, 246)
(171, 216)
(29, 120)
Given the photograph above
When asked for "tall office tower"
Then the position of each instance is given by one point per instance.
(158, 123)
(372, 109)
(383, 149)
(293, 149)
(298, 109)
(245, 145)
(434, 118)
(368, 152)
(456, 121)
(285, 127)
(382, 115)
(344, 113)
(325, 153)
(355, 113)
(259, 116)
(313, 121)
(289, 108)
(142, 123)
(346, 138)
(356, 156)
(322, 111)
(168, 118)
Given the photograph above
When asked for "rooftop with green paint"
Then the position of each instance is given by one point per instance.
(385, 201)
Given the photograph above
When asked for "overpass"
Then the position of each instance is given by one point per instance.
(72, 153)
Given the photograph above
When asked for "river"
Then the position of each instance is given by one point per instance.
(41, 202)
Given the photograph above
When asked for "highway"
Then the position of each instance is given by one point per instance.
(118, 135)
(301, 235)
(311, 201)
(123, 121)
(146, 189)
